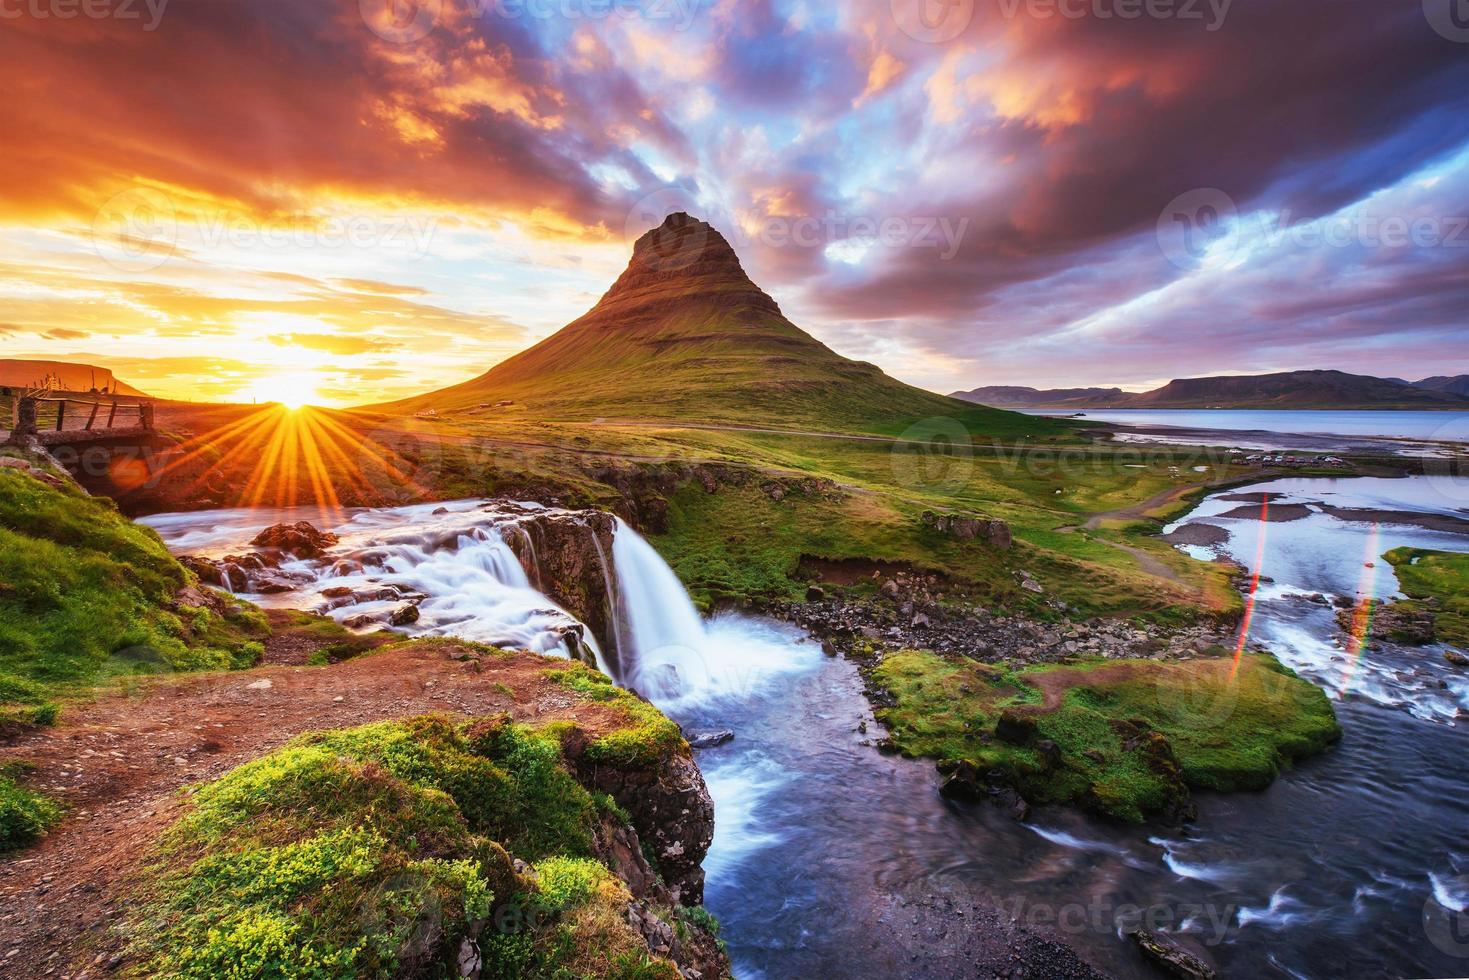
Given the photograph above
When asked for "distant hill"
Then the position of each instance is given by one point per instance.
(16, 373)
(683, 334)
(1457, 385)
(1009, 396)
(1288, 390)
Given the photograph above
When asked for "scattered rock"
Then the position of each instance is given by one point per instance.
(708, 740)
(405, 615)
(1172, 957)
(1456, 658)
(963, 528)
(815, 594)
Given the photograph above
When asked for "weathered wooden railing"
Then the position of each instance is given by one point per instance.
(61, 416)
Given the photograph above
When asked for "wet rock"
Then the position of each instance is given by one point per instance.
(271, 582)
(563, 554)
(708, 740)
(1456, 658)
(360, 621)
(300, 539)
(208, 570)
(1172, 956)
(405, 615)
(1397, 622)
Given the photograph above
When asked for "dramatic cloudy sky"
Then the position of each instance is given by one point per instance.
(236, 198)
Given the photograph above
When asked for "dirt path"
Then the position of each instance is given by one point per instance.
(118, 763)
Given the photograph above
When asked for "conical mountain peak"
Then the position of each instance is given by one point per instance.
(685, 334)
(682, 259)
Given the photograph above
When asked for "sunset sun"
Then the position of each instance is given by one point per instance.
(293, 390)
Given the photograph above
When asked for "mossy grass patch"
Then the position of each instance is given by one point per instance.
(1124, 738)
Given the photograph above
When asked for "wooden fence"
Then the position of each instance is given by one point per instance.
(24, 412)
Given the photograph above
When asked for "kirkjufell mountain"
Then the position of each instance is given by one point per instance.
(685, 334)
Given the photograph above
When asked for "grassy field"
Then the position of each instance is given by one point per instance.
(87, 596)
(1439, 579)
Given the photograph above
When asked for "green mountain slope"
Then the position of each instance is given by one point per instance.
(684, 335)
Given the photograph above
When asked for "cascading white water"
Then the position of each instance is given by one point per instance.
(664, 654)
(454, 561)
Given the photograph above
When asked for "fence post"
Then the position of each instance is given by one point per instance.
(25, 417)
(60, 414)
(145, 414)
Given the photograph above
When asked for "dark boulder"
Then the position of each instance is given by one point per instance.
(708, 740)
(299, 539)
(1169, 954)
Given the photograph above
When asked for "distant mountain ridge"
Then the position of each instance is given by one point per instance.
(1286, 390)
(684, 334)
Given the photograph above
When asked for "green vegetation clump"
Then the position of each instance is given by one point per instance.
(1441, 580)
(648, 736)
(1124, 738)
(87, 595)
(374, 851)
(24, 815)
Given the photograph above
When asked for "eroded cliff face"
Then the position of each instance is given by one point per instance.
(568, 556)
(672, 811)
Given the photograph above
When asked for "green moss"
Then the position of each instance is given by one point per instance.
(1441, 579)
(1130, 736)
(648, 736)
(24, 815)
(372, 851)
(87, 596)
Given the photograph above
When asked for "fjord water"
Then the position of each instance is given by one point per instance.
(1439, 426)
(831, 859)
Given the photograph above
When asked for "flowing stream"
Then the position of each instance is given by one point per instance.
(831, 859)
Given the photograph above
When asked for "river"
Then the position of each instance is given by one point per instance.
(833, 859)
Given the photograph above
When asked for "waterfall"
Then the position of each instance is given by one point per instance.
(663, 646)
